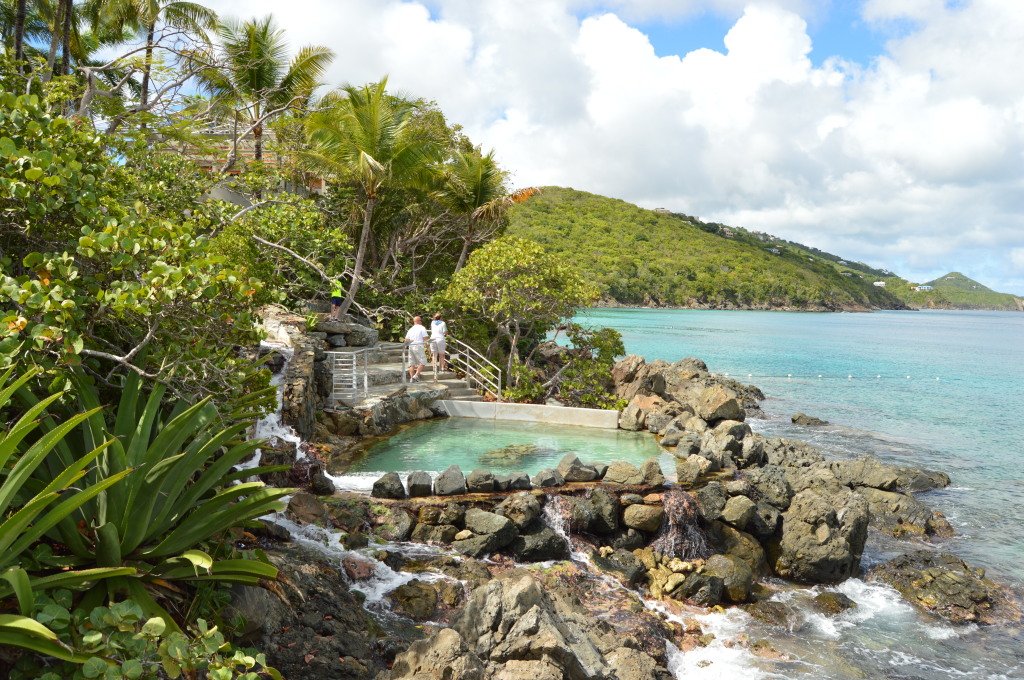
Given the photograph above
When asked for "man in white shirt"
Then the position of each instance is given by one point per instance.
(416, 336)
(438, 332)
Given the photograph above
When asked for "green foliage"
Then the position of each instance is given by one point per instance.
(524, 386)
(638, 256)
(516, 292)
(119, 643)
(587, 381)
(953, 291)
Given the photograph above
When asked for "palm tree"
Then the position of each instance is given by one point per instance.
(259, 82)
(143, 15)
(473, 186)
(367, 136)
(19, 33)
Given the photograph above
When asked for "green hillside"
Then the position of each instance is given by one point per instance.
(954, 291)
(641, 257)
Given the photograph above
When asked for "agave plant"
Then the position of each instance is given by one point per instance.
(177, 491)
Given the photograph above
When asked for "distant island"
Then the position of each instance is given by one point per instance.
(658, 258)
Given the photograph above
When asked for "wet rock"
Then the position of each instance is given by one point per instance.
(305, 508)
(573, 470)
(702, 589)
(357, 568)
(321, 485)
(651, 472)
(450, 482)
(621, 472)
(453, 513)
(765, 521)
(902, 515)
(388, 486)
(831, 602)
(480, 545)
(736, 576)
(577, 512)
(520, 482)
(770, 485)
(442, 657)
(804, 419)
(395, 525)
(822, 537)
(479, 481)
(719, 403)
(791, 453)
(434, 533)
(272, 530)
(948, 586)
(644, 517)
(539, 544)
(729, 541)
(548, 478)
(912, 479)
(502, 482)
(522, 509)
(417, 599)
(606, 512)
(621, 562)
(419, 484)
(712, 499)
(483, 522)
(628, 539)
(865, 471)
(738, 511)
(774, 613)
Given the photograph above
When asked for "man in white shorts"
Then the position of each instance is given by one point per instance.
(438, 332)
(416, 337)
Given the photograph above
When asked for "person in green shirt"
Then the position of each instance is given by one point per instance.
(337, 296)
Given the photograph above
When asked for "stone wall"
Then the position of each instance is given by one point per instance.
(307, 378)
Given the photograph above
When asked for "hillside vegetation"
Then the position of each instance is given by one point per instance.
(954, 291)
(641, 257)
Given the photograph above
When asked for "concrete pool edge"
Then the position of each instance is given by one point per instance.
(533, 413)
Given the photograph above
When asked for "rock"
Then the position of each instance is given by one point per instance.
(739, 487)
(624, 371)
(903, 516)
(305, 508)
(578, 513)
(502, 482)
(453, 513)
(632, 664)
(712, 499)
(696, 425)
(444, 656)
(730, 541)
(321, 485)
(736, 576)
(948, 586)
(548, 478)
(822, 537)
(651, 472)
(540, 544)
(752, 453)
(702, 589)
(657, 422)
(912, 479)
(765, 522)
(621, 562)
(804, 419)
(732, 428)
(738, 511)
(631, 418)
(416, 598)
(719, 403)
(483, 522)
(419, 484)
(522, 509)
(479, 481)
(520, 482)
(628, 539)
(865, 471)
(395, 526)
(791, 453)
(573, 470)
(388, 486)
(481, 545)
(775, 613)
(434, 533)
(606, 512)
(770, 485)
(450, 482)
(357, 568)
(689, 471)
(832, 602)
(621, 472)
(671, 435)
(817, 476)
(336, 340)
(464, 535)
(644, 517)
(601, 469)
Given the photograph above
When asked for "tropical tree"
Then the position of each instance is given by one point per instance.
(474, 187)
(366, 136)
(258, 82)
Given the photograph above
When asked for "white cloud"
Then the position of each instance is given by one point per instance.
(912, 162)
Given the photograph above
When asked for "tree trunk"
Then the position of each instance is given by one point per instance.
(462, 256)
(19, 35)
(357, 269)
(66, 37)
(147, 67)
(257, 135)
(51, 55)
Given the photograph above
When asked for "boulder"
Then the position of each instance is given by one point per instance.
(765, 522)
(480, 481)
(632, 664)
(628, 539)
(729, 541)
(866, 471)
(651, 472)
(631, 418)
(791, 453)
(912, 479)
(573, 470)
(948, 586)
(702, 589)
(548, 478)
(689, 471)
(644, 517)
(734, 428)
(697, 425)
(752, 453)
(719, 403)
(903, 516)
(624, 371)
(712, 499)
(658, 421)
(395, 525)
(520, 482)
(606, 512)
(321, 485)
(453, 513)
(388, 486)
(738, 511)
(770, 485)
(419, 484)
(621, 472)
(417, 599)
(450, 482)
(578, 513)
(482, 544)
(305, 508)
(804, 419)
(622, 563)
(443, 656)
(502, 482)
(483, 522)
(434, 533)
(736, 576)
(539, 544)
(522, 509)
(822, 537)
(429, 514)
(832, 602)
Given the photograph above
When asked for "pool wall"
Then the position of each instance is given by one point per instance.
(533, 413)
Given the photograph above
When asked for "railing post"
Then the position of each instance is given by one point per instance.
(405, 371)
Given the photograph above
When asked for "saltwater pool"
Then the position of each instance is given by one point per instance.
(501, 447)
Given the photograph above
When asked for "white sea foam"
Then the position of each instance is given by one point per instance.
(718, 661)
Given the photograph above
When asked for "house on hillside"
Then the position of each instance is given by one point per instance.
(846, 273)
(921, 288)
(663, 211)
(880, 284)
(774, 251)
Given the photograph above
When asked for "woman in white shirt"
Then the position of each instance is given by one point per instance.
(438, 331)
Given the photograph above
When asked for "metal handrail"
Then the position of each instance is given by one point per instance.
(347, 380)
(473, 363)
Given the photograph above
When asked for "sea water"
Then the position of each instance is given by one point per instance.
(935, 389)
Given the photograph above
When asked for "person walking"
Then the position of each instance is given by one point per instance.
(416, 337)
(438, 345)
(337, 296)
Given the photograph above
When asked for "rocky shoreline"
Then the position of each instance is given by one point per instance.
(503, 599)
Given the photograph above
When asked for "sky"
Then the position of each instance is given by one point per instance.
(885, 131)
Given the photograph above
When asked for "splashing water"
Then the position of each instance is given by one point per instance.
(683, 534)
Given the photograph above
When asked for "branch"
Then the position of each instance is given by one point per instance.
(294, 254)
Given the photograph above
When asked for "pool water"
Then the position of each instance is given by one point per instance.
(504, 447)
